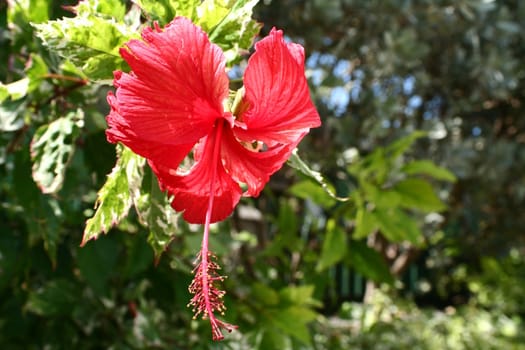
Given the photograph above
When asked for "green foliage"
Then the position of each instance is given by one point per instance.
(418, 194)
(229, 24)
(29, 11)
(104, 8)
(426, 167)
(371, 200)
(155, 212)
(304, 189)
(437, 67)
(56, 298)
(16, 90)
(307, 189)
(114, 199)
(91, 40)
(367, 261)
(164, 11)
(283, 313)
(395, 324)
(386, 202)
(396, 225)
(500, 283)
(388, 192)
(132, 184)
(334, 247)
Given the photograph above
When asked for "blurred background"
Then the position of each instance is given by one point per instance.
(416, 241)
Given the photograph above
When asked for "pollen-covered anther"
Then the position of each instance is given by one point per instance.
(207, 298)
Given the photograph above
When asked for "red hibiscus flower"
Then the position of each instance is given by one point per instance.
(173, 108)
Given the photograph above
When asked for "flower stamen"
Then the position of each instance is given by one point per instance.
(207, 298)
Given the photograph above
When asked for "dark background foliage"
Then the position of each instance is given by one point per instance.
(413, 257)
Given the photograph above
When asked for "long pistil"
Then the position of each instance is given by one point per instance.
(206, 297)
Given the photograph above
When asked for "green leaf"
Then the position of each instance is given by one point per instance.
(57, 297)
(50, 212)
(373, 168)
(287, 238)
(97, 263)
(139, 257)
(211, 13)
(229, 26)
(287, 222)
(115, 197)
(38, 11)
(111, 8)
(298, 164)
(370, 263)
(418, 194)
(89, 41)
(386, 198)
(13, 256)
(299, 295)
(155, 212)
(52, 148)
(43, 215)
(378, 196)
(271, 338)
(376, 167)
(164, 11)
(397, 226)
(427, 167)
(293, 320)
(18, 89)
(4, 92)
(334, 246)
(36, 72)
(369, 191)
(364, 223)
(68, 68)
(307, 189)
(264, 294)
(21, 12)
(400, 146)
(12, 115)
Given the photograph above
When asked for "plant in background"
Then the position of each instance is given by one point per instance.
(378, 229)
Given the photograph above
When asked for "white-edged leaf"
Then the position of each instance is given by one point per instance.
(16, 89)
(115, 197)
(155, 212)
(52, 148)
(90, 41)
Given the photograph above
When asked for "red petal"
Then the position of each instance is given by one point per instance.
(175, 90)
(168, 155)
(251, 167)
(280, 108)
(192, 190)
